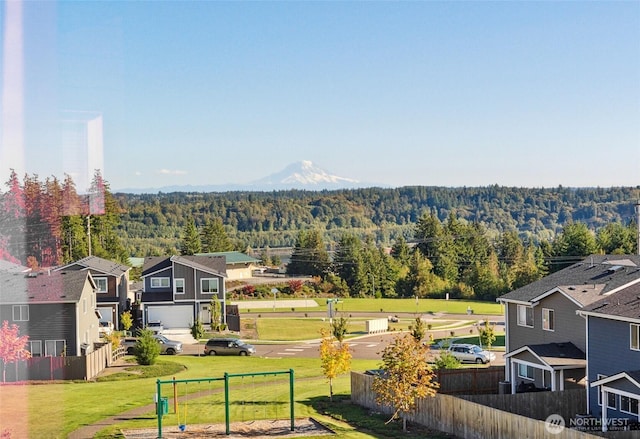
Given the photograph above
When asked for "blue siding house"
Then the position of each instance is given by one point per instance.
(613, 356)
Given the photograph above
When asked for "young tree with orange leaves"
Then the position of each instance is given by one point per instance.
(407, 376)
(12, 346)
(335, 358)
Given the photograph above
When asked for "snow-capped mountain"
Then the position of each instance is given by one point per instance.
(305, 173)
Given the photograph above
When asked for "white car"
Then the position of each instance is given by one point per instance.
(105, 328)
(471, 353)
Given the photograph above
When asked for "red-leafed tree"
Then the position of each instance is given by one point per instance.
(12, 346)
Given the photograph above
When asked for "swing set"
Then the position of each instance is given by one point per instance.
(182, 420)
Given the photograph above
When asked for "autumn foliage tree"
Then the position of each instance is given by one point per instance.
(335, 358)
(12, 346)
(406, 377)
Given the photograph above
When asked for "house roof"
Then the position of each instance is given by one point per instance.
(42, 287)
(630, 375)
(10, 267)
(214, 264)
(585, 282)
(624, 303)
(98, 264)
(233, 258)
(554, 355)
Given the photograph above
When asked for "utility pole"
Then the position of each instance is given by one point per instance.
(89, 232)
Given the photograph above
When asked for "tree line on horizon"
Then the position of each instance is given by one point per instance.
(350, 239)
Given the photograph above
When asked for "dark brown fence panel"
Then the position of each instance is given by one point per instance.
(471, 381)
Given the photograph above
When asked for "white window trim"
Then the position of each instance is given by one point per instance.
(160, 281)
(533, 372)
(64, 346)
(210, 279)
(22, 310)
(598, 378)
(634, 327)
(524, 324)
(35, 343)
(545, 319)
(630, 399)
(175, 286)
(106, 285)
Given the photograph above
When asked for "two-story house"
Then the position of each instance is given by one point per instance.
(57, 310)
(545, 337)
(613, 355)
(177, 290)
(112, 282)
(238, 264)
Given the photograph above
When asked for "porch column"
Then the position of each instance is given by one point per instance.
(604, 399)
(513, 377)
(561, 379)
(553, 380)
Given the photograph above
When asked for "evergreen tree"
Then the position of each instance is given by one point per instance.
(349, 265)
(214, 237)
(574, 243)
(190, 239)
(615, 238)
(309, 255)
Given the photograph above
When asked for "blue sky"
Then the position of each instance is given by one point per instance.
(524, 94)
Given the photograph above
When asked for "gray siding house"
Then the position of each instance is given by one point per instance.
(545, 337)
(613, 356)
(112, 286)
(177, 290)
(56, 310)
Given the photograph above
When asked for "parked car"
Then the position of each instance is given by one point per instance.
(105, 328)
(169, 347)
(155, 327)
(228, 346)
(471, 353)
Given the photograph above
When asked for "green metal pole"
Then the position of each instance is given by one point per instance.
(293, 422)
(226, 402)
(159, 407)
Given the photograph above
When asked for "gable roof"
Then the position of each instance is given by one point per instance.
(42, 287)
(624, 304)
(233, 258)
(554, 355)
(105, 266)
(632, 376)
(584, 282)
(209, 264)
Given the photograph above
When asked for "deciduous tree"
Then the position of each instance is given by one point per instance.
(12, 346)
(335, 358)
(406, 377)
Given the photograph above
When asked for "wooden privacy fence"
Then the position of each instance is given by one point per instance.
(468, 419)
(469, 381)
(84, 367)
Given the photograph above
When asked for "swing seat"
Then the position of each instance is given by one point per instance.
(182, 427)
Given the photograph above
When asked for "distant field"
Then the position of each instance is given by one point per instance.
(391, 306)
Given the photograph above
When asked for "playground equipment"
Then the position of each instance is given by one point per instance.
(182, 426)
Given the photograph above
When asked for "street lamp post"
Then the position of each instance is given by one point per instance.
(274, 291)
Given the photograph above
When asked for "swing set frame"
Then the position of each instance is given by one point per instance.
(225, 378)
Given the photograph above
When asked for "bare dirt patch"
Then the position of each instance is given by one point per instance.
(255, 430)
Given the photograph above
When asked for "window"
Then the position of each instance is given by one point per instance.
(634, 343)
(525, 316)
(628, 405)
(159, 282)
(101, 284)
(35, 347)
(20, 313)
(54, 348)
(209, 286)
(612, 400)
(179, 286)
(525, 371)
(548, 322)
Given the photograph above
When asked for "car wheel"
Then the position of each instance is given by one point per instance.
(243, 354)
(212, 353)
(171, 352)
(479, 361)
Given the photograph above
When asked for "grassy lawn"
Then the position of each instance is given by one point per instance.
(55, 410)
(392, 306)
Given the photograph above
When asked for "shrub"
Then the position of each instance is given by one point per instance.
(446, 361)
(147, 348)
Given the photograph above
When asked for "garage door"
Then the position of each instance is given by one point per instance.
(174, 316)
(106, 313)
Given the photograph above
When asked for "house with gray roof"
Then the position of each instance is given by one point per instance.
(545, 337)
(112, 286)
(177, 290)
(238, 264)
(613, 356)
(57, 310)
